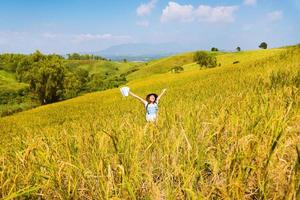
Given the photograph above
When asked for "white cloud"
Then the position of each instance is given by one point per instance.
(51, 42)
(250, 2)
(91, 37)
(145, 9)
(177, 12)
(275, 15)
(215, 14)
(143, 23)
(204, 13)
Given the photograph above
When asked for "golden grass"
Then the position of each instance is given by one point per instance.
(162, 65)
(229, 132)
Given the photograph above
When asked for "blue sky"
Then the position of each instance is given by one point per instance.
(63, 26)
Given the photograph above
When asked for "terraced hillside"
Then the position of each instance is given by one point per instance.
(230, 132)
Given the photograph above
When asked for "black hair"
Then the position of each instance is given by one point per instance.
(149, 95)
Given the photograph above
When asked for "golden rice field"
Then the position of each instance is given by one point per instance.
(230, 132)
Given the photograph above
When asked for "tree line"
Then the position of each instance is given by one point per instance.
(77, 56)
(262, 45)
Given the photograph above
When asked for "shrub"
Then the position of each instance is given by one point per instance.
(214, 49)
(177, 69)
(263, 45)
(96, 82)
(128, 72)
(7, 95)
(205, 59)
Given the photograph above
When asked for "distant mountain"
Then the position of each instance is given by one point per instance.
(141, 51)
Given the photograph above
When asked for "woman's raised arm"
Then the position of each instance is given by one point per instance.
(137, 97)
(161, 94)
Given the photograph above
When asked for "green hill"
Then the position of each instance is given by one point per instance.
(230, 132)
(101, 74)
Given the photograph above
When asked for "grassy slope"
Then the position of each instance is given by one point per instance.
(162, 65)
(8, 81)
(186, 61)
(9, 86)
(218, 136)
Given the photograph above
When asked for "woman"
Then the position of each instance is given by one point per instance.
(151, 104)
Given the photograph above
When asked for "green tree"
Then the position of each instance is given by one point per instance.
(238, 48)
(9, 62)
(82, 75)
(96, 83)
(177, 69)
(73, 56)
(205, 59)
(214, 49)
(25, 65)
(263, 45)
(46, 78)
(72, 86)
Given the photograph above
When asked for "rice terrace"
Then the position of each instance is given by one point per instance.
(138, 115)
